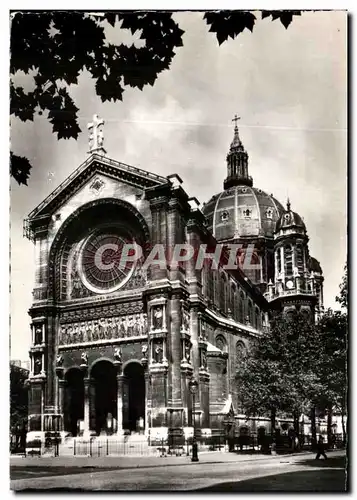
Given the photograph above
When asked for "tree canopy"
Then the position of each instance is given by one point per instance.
(54, 47)
(280, 372)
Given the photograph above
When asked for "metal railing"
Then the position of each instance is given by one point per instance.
(177, 446)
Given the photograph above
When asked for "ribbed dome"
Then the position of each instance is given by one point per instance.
(242, 211)
(290, 219)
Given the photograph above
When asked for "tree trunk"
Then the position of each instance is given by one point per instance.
(329, 426)
(296, 423)
(273, 421)
(313, 427)
(296, 431)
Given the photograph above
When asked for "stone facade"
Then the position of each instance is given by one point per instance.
(117, 347)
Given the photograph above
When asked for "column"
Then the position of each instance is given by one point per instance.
(61, 392)
(147, 423)
(87, 384)
(120, 383)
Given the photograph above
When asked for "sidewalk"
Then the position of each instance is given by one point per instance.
(131, 462)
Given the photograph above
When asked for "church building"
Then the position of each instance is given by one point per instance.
(114, 347)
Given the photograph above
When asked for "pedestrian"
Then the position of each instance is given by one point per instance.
(321, 448)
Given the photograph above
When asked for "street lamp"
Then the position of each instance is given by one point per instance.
(193, 386)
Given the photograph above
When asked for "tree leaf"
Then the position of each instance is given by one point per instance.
(20, 168)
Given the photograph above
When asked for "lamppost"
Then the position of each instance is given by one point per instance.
(193, 386)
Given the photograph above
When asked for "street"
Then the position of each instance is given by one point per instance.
(231, 473)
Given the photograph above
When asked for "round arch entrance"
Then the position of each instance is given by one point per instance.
(74, 402)
(104, 382)
(134, 397)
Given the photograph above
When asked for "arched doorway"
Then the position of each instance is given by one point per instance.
(134, 397)
(103, 375)
(74, 409)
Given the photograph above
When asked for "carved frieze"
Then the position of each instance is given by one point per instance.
(107, 311)
(103, 328)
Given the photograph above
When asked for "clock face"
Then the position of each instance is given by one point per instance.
(289, 284)
(100, 263)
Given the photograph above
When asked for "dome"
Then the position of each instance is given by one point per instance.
(242, 211)
(314, 265)
(290, 219)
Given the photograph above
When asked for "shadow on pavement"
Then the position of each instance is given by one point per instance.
(330, 463)
(309, 481)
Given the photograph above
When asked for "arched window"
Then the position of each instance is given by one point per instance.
(234, 301)
(241, 352)
(288, 260)
(278, 260)
(300, 258)
(209, 280)
(250, 312)
(216, 287)
(241, 308)
(257, 319)
(221, 343)
(223, 294)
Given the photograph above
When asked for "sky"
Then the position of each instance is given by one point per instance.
(288, 86)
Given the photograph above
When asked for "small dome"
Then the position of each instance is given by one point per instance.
(314, 265)
(290, 219)
(242, 211)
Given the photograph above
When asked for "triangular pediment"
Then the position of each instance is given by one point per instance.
(96, 166)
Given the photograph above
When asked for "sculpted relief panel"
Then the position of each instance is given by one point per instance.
(103, 329)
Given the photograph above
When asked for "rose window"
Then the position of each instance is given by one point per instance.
(103, 266)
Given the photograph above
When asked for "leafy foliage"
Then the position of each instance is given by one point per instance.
(229, 23)
(18, 396)
(343, 297)
(280, 373)
(284, 16)
(333, 330)
(57, 46)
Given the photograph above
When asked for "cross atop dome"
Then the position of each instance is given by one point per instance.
(236, 143)
(96, 138)
(235, 119)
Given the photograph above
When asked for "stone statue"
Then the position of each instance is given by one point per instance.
(144, 350)
(38, 335)
(110, 329)
(203, 331)
(158, 353)
(145, 324)
(59, 360)
(37, 366)
(116, 327)
(157, 318)
(117, 354)
(82, 334)
(130, 330)
(88, 334)
(137, 325)
(95, 331)
(187, 351)
(122, 328)
(84, 358)
(186, 320)
(203, 359)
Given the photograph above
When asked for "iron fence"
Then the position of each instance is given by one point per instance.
(175, 445)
